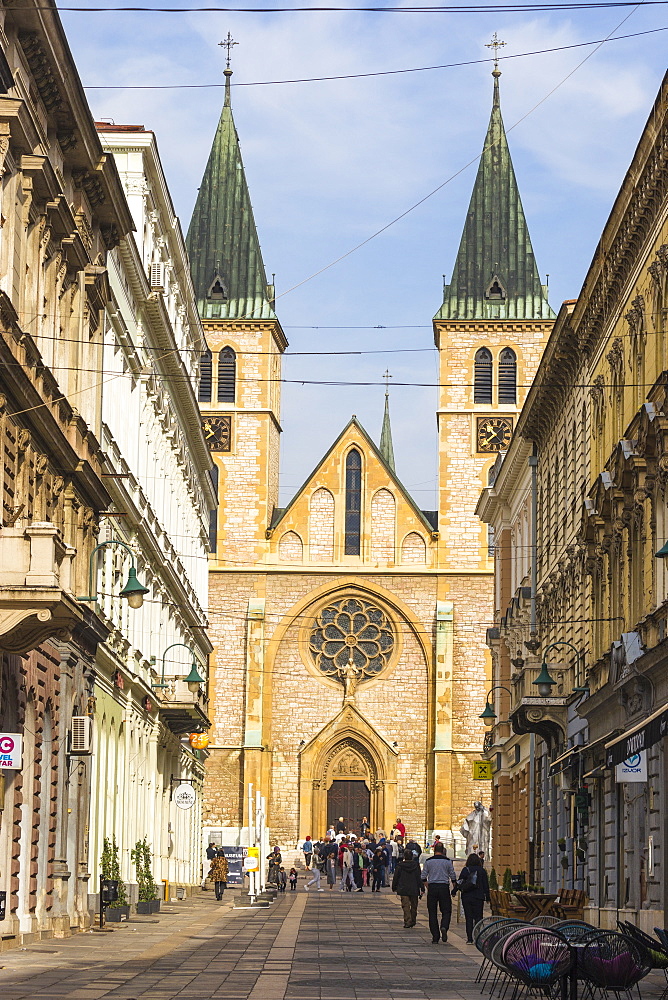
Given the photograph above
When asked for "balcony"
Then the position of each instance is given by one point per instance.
(182, 710)
(531, 713)
(36, 602)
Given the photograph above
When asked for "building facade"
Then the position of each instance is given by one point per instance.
(63, 210)
(351, 596)
(592, 423)
(156, 466)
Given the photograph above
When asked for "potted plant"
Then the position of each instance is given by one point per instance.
(493, 880)
(508, 880)
(110, 868)
(148, 901)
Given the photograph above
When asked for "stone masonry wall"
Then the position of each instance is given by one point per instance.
(383, 518)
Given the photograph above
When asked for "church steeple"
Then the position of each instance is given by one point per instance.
(495, 275)
(386, 449)
(225, 257)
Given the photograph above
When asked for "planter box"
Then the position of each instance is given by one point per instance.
(114, 914)
(147, 906)
(155, 906)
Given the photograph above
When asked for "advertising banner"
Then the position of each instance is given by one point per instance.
(235, 859)
(11, 750)
(634, 768)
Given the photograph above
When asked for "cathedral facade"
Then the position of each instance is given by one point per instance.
(350, 665)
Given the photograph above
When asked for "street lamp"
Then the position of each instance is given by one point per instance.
(133, 591)
(544, 682)
(488, 714)
(193, 680)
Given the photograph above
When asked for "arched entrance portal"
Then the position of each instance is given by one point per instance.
(349, 794)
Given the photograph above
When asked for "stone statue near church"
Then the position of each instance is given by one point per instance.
(349, 675)
(475, 829)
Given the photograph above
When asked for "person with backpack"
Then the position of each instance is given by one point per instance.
(474, 887)
(307, 848)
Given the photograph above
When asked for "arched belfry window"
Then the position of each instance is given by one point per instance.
(204, 394)
(353, 521)
(495, 290)
(482, 382)
(507, 376)
(227, 375)
(217, 291)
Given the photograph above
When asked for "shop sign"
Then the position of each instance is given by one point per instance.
(11, 750)
(634, 768)
(235, 859)
(482, 770)
(184, 796)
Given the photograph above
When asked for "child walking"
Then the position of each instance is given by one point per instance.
(282, 879)
(293, 879)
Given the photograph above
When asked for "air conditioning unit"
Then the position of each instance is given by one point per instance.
(156, 275)
(81, 736)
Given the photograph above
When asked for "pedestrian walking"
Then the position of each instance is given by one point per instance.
(394, 855)
(438, 872)
(307, 848)
(360, 863)
(399, 826)
(474, 887)
(282, 879)
(346, 858)
(407, 883)
(412, 845)
(219, 872)
(329, 853)
(316, 872)
(210, 855)
(293, 879)
(377, 869)
(275, 861)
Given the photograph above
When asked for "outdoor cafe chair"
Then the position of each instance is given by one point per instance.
(574, 930)
(488, 938)
(657, 953)
(545, 920)
(612, 963)
(538, 958)
(497, 970)
(482, 924)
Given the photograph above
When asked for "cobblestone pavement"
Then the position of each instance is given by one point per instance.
(315, 946)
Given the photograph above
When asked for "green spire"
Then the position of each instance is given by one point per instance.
(386, 449)
(222, 241)
(495, 274)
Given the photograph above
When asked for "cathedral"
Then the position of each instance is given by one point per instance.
(362, 612)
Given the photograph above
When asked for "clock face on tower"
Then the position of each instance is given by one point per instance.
(493, 433)
(217, 432)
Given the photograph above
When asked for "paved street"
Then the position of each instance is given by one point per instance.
(322, 946)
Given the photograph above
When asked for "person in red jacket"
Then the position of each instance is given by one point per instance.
(400, 828)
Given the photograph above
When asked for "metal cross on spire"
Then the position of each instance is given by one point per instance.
(228, 44)
(387, 378)
(495, 44)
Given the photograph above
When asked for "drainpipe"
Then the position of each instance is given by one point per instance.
(533, 639)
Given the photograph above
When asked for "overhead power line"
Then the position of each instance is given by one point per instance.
(514, 8)
(359, 76)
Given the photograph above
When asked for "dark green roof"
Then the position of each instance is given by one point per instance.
(495, 274)
(386, 449)
(222, 241)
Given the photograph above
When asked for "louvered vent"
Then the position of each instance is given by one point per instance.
(507, 376)
(156, 276)
(482, 381)
(205, 378)
(227, 373)
(81, 735)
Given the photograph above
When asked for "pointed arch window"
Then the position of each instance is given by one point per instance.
(227, 375)
(204, 394)
(495, 290)
(482, 381)
(217, 291)
(507, 376)
(353, 520)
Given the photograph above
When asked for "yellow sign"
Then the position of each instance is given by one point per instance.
(482, 770)
(253, 852)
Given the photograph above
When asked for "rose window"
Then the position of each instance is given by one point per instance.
(351, 635)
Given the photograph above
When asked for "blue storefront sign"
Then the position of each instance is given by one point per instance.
(235, 859)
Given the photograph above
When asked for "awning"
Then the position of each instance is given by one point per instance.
(641, 737)
(566, 759)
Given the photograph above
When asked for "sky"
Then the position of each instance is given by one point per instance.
(330, 163)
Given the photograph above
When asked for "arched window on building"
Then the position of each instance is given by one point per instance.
(227, 375)
(507, 376)
(353, 503)
(482, 381)
(204, 394)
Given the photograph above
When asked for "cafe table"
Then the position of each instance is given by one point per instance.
(537, 903)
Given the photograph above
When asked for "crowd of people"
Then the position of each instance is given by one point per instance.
(355, 862)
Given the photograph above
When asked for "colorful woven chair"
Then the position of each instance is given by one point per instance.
(545, 920)
(487, 940)
(612, 963)
(657, 952)
(538, 958)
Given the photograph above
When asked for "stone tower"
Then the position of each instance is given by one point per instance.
(490, 333)
(240, 375)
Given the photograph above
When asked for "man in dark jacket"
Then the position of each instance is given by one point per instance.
(407, 883)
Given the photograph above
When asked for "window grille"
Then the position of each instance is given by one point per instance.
(227, 375)
(482, 382)
(507, 376)
(490, 541)
(353, 503)
(204, 395)
(156, 275)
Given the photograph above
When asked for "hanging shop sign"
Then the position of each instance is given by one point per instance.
(634, 741)
(482, 770)
(199, 741)
(634, 768)
(11, 751)
(184, 796)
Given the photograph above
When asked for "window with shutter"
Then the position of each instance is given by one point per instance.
(507, 376)
(157, 275)
(227, 375)
(353, 519)
(204, 395)
(482, 381)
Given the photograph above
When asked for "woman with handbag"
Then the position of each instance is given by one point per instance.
(474, 887)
